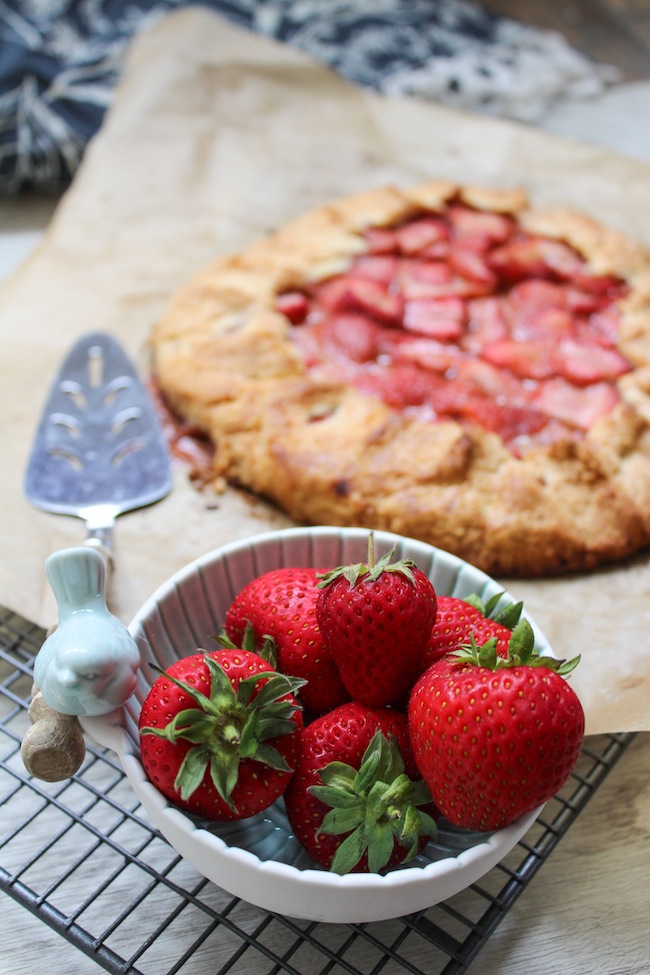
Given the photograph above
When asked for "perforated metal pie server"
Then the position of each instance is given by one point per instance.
(99, 451)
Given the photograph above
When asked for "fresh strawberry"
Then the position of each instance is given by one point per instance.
(458, 620)
(281, 604)
(495, 737)
(220, 733)
(376, 620)
(356, 801)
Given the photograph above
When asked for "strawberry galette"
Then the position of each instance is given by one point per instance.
(444, 362)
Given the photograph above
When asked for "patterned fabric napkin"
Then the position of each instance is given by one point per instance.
(60, 61)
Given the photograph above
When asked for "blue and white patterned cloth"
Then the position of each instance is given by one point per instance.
(61, 59)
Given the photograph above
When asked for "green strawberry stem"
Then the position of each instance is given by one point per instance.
(375, 804)
(229, 726)
(508, 615)
(268, 650)
(521, 653)
(367, 571)
(371, 550)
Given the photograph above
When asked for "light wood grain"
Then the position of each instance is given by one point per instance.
(585, 912)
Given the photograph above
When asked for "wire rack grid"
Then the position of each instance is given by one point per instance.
(82, 857)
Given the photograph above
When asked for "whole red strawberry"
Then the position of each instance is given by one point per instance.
(495, 737)
(356, 801)
(458, 620)
(281, 604)
(220, 733)
(376, 620)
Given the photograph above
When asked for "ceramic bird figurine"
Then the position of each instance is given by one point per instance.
(89, 664)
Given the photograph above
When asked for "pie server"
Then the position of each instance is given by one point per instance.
(99, 451)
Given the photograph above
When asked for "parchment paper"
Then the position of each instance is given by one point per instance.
(217, 137)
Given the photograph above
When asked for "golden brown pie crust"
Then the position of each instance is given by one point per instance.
(328, 454)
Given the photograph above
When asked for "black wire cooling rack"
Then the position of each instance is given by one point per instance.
(81, 856)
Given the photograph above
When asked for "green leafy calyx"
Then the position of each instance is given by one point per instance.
(368, 571)
(375, 805)
(507, 614)
(228, 726)
(521, 653)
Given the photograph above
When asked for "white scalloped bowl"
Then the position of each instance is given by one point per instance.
(259, 859)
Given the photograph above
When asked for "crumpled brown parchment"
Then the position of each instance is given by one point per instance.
(217, 137)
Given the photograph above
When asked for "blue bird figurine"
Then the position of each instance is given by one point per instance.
(89, 664)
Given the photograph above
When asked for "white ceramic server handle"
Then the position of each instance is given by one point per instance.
(87, 665)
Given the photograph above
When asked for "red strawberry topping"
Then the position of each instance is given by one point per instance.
(420, 234)
(293, 304)
(440, 318)
(485, 291)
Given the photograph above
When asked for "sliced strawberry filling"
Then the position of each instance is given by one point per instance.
(465, 315)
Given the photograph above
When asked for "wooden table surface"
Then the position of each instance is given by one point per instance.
(584, 913)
